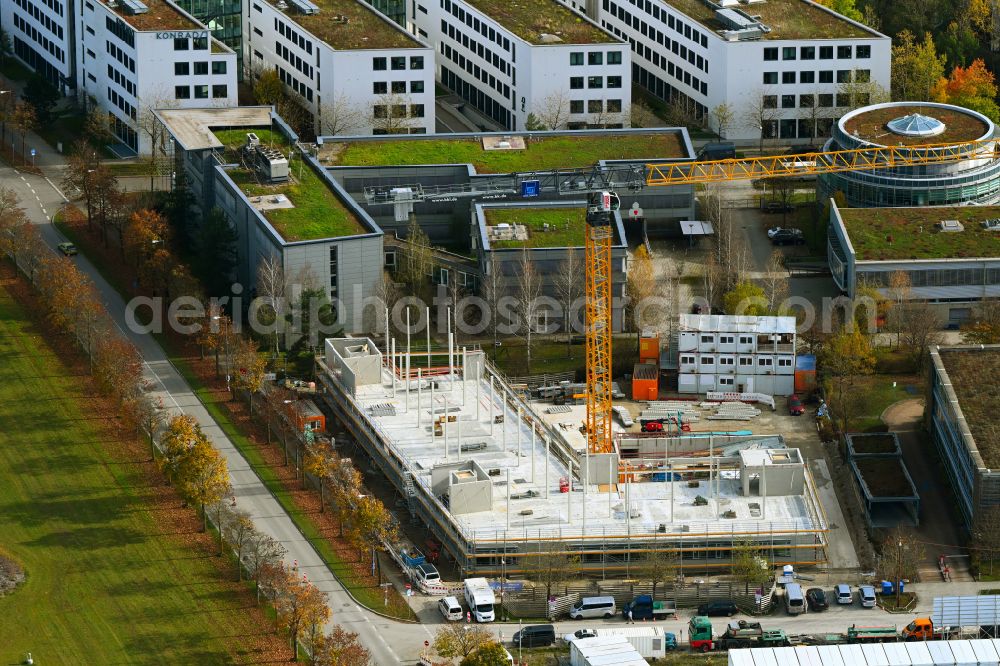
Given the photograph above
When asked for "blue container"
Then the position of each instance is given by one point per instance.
(886, 587)
(660, 476)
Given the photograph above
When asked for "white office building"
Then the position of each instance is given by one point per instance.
(354, 70)
(509, 62)
(41, 35)
(736, 353)
(139, 55)
(782, 66)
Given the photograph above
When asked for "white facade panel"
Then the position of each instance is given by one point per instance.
(675, 55)
(41, 33)
(507, 78)
(341, 88)
(130, 73)
(986, 653)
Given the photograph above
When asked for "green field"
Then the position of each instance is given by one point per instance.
(108, 580)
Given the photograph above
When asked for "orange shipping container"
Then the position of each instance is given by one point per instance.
(649, 349)
(645, 382)
(308, 416)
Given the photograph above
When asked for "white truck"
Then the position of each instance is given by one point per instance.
(650, 642)
(479, 596)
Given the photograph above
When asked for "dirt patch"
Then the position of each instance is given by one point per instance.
(874, 443)
(871, 126)
(884, 477)
(11, 575)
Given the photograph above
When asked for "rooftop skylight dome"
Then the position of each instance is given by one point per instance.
(916, 124)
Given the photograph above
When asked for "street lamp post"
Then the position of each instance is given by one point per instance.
(899, 567)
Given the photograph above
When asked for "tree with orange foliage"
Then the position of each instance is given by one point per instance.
(63, 287)
(117, 368)
(300, 605)
(145, 232)
(339, 647)
(973, 87)
(249, 367)
(321, 461)
(204, 476)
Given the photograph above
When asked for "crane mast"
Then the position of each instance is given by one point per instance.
(600, 214)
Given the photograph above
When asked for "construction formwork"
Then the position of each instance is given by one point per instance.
(507, 488)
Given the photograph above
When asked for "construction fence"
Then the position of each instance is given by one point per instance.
(532, 602)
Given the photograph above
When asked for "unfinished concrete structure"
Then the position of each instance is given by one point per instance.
(493, 480)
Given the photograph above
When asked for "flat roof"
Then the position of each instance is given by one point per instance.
(542, 22)
(971, 371)
(508, 447)
(736, 324)
(566, 226)
(162, 15)
(315, 211)
(871, 125)
(894, 234)
(787, 19)
(364, 28)
(564, 150)
(193, 128)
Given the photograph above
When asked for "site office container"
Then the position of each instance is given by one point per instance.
(645, 382)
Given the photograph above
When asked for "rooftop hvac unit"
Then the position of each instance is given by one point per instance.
(992, 224)
(951, 226)
(282, 5)
(269, 164)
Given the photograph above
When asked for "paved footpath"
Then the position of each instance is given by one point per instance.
(390, 642)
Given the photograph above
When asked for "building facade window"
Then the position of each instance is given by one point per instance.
(380, 88)
(863, 51)
(595, 58)
(807, 53)
(181, 69)
(614, 106)
(844, 52)
(220, 91)
(788, 77)
(576, 106)
(416, 86)
(201, 68)
(416, 62)
(826, 53)
(576, 82)
(219, 67)
(398, 62)
(201, 92)
(770, 77)
(595, 81)
(378, 64)
(614, 82)
(181, 44)
(182, 92)
(807, 77)
(771, 53)
(788, 52)
(614, 57)
(576, 58)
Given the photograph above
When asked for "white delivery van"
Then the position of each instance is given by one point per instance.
(479, 596)
(450, 609)
(795, 601)
(589, 607)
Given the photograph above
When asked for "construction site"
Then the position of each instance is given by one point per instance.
(499, 480)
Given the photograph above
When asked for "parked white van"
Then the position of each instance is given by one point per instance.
(451, 609)
(588, 607)
(795, 602)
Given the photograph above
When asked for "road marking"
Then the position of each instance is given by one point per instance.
(58, 191)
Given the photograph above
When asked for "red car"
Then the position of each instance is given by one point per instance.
(795, 407)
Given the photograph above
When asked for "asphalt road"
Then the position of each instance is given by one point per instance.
(389, 642)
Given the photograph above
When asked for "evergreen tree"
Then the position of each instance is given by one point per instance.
(216, 252)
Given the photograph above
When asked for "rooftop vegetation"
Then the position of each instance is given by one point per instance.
(565, 226)
(540, 154)
(872, 126)
(978, 398)
(531, 19)
(351, 24)
(887, 234)
(161, 16)
(788, 19)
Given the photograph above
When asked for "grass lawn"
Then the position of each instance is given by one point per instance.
(555, 152)
(880, 393)
(116, 571)
(548, 355)
(881, 234)
(530, 20)
(565, 226)
(234, 139)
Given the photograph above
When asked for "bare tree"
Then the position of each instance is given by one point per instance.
(418, 261)
(150, 127)
(760, 112)
(271, 288)
(899, 292)
(723, 117)
(775, 281)
(553, 111)
(569, 288)
(919, 327)
(529, 289)
(899, 557)
(492, 290)
(812, 112)
(394, 113)
(859, 90)
(640, 115)
(338, 116)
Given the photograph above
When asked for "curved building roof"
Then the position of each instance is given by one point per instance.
(914, 123)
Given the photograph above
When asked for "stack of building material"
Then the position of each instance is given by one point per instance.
(734, 411)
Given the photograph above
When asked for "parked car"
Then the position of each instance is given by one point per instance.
(776, 207)
(801, 150)
(788, 237)
(867, 594)
(816, 598)
(718, 608)
(535, 635)
(579, 633)
(795, 407)
(67, 249)
(772, 231)
(843, 594)
(589, 607)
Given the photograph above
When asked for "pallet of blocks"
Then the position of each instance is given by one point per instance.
(734, 411)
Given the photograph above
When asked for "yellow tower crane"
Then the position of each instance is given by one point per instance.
(602, 204)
